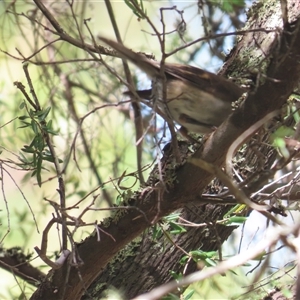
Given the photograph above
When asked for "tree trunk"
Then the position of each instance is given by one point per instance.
(146, 263)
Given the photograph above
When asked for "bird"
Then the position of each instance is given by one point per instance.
(196, 99)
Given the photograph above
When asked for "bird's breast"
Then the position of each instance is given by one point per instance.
(196, 110)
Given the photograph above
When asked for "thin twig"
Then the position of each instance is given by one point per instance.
(138, 121)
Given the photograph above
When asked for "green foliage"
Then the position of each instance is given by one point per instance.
(229, 6)
(37, 150)
(235, 215)
(168, 225)
(208, 258)
(279, 142)
(189, 295)
(137, 8)
(236, 220)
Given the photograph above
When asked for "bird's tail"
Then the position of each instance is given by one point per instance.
(151, 68)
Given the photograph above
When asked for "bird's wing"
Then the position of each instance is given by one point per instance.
(204, 80)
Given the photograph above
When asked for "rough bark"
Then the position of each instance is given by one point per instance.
(273, 55)
(146, 263)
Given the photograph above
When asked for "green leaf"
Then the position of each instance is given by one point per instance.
(23, 158)
(157, 232)
(281, 145)
(22, 105)
(236, 219)
(175, 275)
(199, 254)
(170, 296)
(171, 217)
(23, 118)
(282, 132)
(176, 229)
(39, 143)
(81, 193)
(26, 124)
(229, 6)
(49, 128)
(49, 157)
(135, 10)
(38, 171)
(44, 113)
(210, 262)
(119, 199)
(34, 127)
(189, 295)
(34, 159)
(28, 149)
